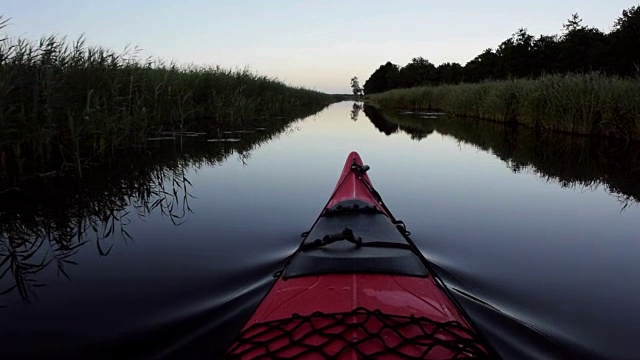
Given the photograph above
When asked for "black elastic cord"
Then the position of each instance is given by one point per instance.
(387, 244)
(346, 234)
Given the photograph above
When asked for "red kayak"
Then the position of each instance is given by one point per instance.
(357, 287)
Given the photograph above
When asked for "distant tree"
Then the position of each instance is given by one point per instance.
(573, 23)
(582, 48)
(482, 67)
(449, 73)
(515, 55)
(579, 48)
(383, 79)
(625, 39)
(545, 55)
(355, 86)
(419, 71)
(392, 77)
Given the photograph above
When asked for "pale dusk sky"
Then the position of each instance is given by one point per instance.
(316, 44)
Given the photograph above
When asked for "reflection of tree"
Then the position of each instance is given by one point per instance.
(565, 159)
(380, 122)
(355, 111)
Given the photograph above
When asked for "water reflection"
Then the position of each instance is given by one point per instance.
(212, 221)
(44, 224)
(570, 161)
(58, 219)
(380, 122)
(355, 110)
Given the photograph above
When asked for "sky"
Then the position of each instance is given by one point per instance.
(318, 44)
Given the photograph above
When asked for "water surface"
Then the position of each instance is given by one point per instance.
(169, 255)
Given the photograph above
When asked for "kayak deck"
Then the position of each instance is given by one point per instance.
(357, 287)
(355, 321)
(383, 250)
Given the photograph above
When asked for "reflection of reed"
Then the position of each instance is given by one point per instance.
(18, 259)
(30, 245)
(47, 220)
(568, 160)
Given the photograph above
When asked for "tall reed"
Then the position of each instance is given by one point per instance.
(78, 105)
(576, 103)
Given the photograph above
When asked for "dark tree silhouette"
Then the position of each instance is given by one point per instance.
(383, 79)
(418, 72)
(355, 86)
(579, 48)
(485, 66)
(449, 73)
(625, 42)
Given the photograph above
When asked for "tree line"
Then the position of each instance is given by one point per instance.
(578, 49)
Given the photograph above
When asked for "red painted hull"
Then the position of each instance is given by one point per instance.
(401, 296)
(350, 186)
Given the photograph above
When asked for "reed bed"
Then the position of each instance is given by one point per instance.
(66, 102)
(587, 104)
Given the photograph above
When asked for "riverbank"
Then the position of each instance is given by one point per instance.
(69, 105)
(585, 104)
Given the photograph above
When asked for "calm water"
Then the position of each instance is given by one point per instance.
(171, 259)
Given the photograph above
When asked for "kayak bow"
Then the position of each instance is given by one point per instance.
(357, 287)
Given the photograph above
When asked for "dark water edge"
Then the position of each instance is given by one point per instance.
(166, 252)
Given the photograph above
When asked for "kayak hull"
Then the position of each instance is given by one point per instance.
(338, 293)
(357, 287)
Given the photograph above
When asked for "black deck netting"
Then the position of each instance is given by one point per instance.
(360, 332)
